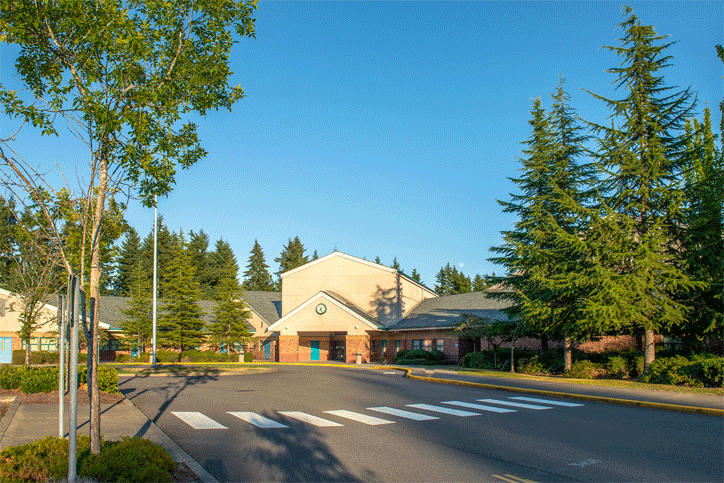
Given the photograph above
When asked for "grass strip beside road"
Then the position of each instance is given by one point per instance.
(190, 369)
(617, 383)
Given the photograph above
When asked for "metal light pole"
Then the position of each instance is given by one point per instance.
(155, 272)
(73, 381)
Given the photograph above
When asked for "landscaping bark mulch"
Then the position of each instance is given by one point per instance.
(52, 397)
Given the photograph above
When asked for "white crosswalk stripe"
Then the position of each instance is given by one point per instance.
(258, 421)
(441, 409)
(514, 404)
(197, 420)
(479, 406)
(362, 418)
(403, 414)
(546, 401)
(308, 418)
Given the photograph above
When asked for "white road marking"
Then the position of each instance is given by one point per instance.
(440, 409)
(258, 421)
(479, 406)
(362, 418)
(308, 418)
(391, 372)
(403, 414)
(585, 463)
(197, 420)
(546, 401)
(514, 404)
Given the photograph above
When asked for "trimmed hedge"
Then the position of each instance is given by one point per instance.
(702, 370)
(420, 357)
(128, 460)
(45, 379)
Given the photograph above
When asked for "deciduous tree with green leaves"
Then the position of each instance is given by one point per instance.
(124, 73)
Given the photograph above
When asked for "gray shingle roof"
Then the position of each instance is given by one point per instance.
(267, 304)
(446, 311)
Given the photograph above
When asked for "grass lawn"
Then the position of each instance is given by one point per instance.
(622, 383)
(189, 369)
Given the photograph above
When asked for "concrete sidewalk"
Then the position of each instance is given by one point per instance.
(645, 397)
(25, 423)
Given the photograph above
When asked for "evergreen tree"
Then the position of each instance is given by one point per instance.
(702, 244)
(180, 325)
(415, 276)
(8, 222)
(229, 327)
(207, 277)
(630, 275)
(164, 255)
(128, 262)
(395, 264)
(221, 261)
(444, 281)
(292, 256)
(257, 276)
(137, 325)
(460, 282)
(378, 261)
(315, 256)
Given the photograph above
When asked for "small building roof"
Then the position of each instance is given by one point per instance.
(267, 305)
(447, 311)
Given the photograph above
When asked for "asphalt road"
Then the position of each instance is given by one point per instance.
(589, 442)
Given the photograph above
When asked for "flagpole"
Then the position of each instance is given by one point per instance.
(155, 274)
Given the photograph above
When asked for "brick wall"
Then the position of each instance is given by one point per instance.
(305, 348)
(355, 344)
(259, 351)
(288, 348)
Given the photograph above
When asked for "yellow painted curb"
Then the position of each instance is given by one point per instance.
(584, 397)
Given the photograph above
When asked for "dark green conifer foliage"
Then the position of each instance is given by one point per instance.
(164, 245)
(292, 256)
(702, 243)
(222, 261)
(206, 275)
(137, 325)
(180, 325)
(415, 276)
(128, 264)
(315, 256)
(395, 264)
(632, 279)
(229, 327)
(450, 281)
(257, 276)
(7, 240)
(378, 261)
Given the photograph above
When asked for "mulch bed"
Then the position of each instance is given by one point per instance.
(52, 397)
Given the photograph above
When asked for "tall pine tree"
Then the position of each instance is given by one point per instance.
(257, 276)
(229, 327)
(180, 325)
(137, 325)
(292, 256)
(128, 263)
(198, 247)
(631, 243)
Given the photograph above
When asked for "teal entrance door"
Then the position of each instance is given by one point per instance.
(315, 350)
(6, 350)
(267, 350)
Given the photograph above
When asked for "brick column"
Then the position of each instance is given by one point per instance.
(288, 348)
(357, 343)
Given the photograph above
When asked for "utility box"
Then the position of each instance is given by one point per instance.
(358, 359)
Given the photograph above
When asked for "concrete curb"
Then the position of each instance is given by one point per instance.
(157, 435)
(8, 417)
(567, 395)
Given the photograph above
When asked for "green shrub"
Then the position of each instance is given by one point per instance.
(618, 367)
(670, 370)
(586, 370)
(39, 379)
(107, 379)
(477, 360)
(122, 357)
(248, 357)
(129, 460)
(420, 357)
(712, 372)
(36, 357)
(10, 377)
(532, 366)
(143, 357)
(167, 356)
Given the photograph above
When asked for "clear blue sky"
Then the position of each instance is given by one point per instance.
(391, 128)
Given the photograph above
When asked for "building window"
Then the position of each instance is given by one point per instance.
(440, 345)
(416, 344)
(428, 344)
(34, 341)
(398, 343)
(377, 347)
(48, 344)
